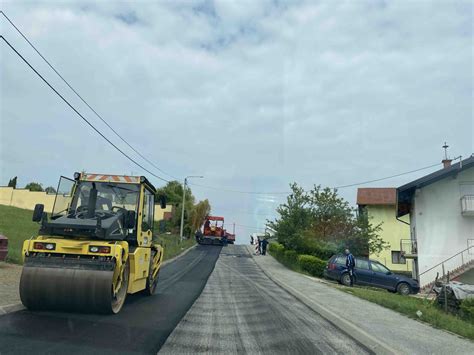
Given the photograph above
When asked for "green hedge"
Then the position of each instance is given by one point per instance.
(467, 309)
(276, 249)
(290, 256)
(312, 265)
(308, 263)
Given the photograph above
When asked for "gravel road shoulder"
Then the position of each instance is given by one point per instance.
(9, 283)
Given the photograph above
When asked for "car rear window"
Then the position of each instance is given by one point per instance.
(340, 260)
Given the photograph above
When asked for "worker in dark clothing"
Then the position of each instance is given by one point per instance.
(264, 246)
(350, 265)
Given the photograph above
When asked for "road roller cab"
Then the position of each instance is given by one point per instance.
(95, 247)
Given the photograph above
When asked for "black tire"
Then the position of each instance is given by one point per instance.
(345, 279)
(403, 289)
(150, 281)
(119, 299)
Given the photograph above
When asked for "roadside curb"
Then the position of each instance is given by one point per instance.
(367, 340)
(179, 255)
(10, 308)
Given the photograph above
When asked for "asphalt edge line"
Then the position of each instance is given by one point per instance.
(342, 324)
(16, 307)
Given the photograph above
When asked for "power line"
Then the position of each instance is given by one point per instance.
(335, 187)
(241, 192)
(78, 113)
(83, 100)
(386, 178)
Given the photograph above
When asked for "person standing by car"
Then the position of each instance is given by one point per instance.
(350, 265)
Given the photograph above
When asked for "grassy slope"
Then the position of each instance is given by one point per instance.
(408, 306)
(172, 246)
(16, 224)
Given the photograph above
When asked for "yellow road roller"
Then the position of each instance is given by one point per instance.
(96, 246)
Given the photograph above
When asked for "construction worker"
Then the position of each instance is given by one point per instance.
(350, 265)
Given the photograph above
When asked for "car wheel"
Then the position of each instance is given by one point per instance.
(346, 279)
(403, 289)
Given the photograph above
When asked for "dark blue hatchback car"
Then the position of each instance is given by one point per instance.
(370, 273)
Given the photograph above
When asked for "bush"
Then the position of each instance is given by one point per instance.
(319, 249)
(290, 257)
(312, 265)
(276, 249)
(467, 309)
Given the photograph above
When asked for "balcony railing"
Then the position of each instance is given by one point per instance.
(408, 248)
(467, 205)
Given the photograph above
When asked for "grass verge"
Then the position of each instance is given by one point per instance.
(405, 305)
(409, 306)
(172, 245)
(16, 225)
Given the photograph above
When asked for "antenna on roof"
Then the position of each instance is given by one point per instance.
(445, 146)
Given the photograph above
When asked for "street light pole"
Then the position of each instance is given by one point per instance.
(184, 199)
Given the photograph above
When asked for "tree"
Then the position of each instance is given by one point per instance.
(173, 191)
(34, 186)
(12, 182)
(320, 222)
(294, 218)
(199, 213)
(50, 190)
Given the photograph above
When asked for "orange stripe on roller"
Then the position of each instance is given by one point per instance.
(104, 177)
(127, 179)
(115, 178)
(91, 176)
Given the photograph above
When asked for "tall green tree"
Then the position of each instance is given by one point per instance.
(320, 221)
(295, 218)
(199, 213)
(12, 182)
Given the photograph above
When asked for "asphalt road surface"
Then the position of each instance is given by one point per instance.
(242, 311)
(142, 326)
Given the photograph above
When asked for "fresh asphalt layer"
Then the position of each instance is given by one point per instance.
(142, 325)
(241, 310)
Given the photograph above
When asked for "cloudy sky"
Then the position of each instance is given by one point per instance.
(251, 94)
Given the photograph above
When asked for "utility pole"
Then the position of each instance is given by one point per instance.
(184, 199)
(233, 229)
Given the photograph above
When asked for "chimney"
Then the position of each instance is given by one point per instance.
(446, 163)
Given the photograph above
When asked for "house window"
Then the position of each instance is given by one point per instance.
(398, 258)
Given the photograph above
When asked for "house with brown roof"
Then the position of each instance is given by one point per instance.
(381, 206)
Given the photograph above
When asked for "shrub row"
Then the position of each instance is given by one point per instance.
(312, 265)
(467, 309)
(308, 263)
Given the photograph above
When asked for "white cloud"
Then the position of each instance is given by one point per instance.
(251, 94)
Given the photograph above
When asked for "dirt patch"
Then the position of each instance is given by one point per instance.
(9, 283)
